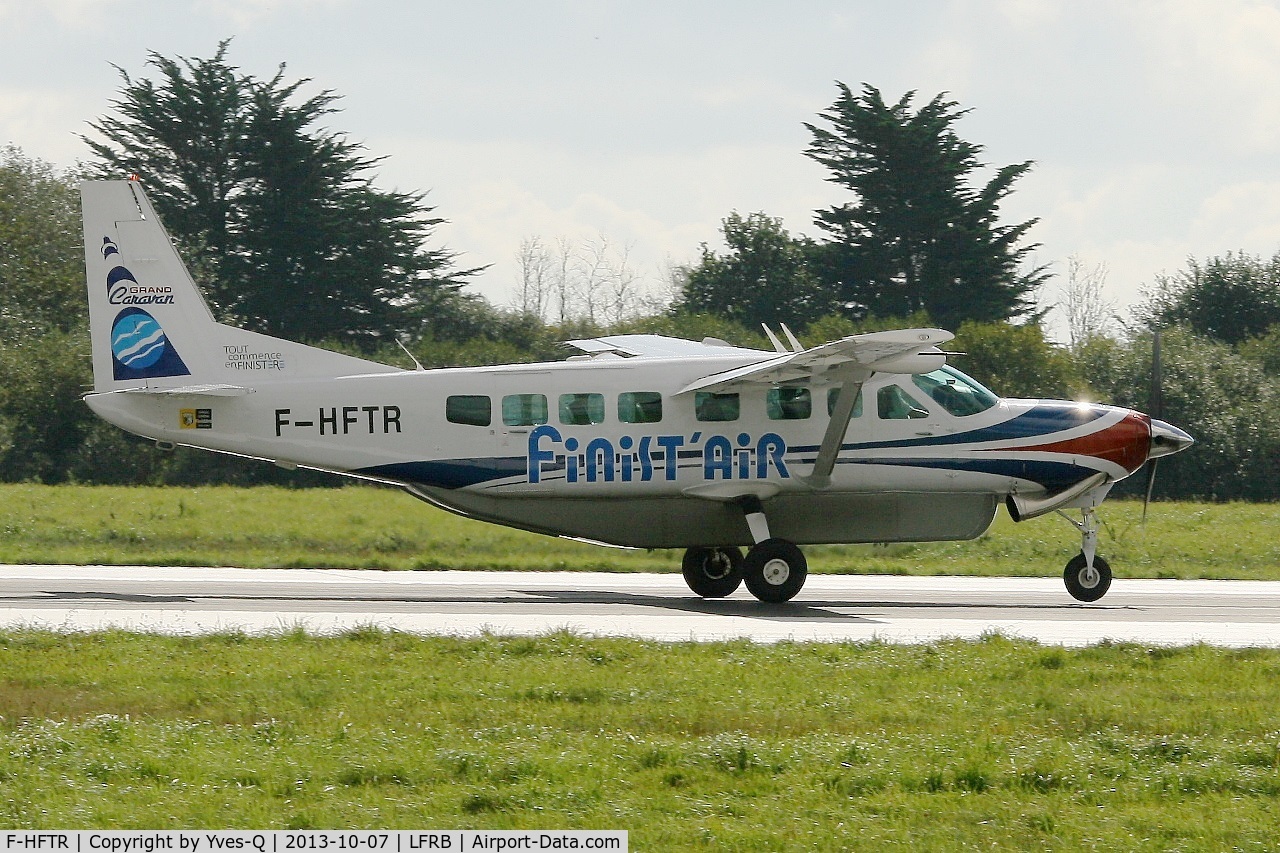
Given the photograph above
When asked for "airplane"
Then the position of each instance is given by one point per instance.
(640, 441)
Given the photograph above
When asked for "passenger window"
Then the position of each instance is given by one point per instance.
(581, 409)
(834, 394)
(955, 392)
(640, 407)
(469, 409)
(710, 406)
(895, 404)
(788, 404)
(524, 409)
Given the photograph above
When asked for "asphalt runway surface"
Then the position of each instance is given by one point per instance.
(831, 608)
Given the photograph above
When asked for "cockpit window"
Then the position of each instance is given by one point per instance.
(955, 392)
(894, 404)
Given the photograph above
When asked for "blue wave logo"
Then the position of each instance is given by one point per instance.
(140, 349)
(137, 340)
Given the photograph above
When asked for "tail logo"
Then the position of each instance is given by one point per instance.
(139, 347)
(141, 350)
(123, 288)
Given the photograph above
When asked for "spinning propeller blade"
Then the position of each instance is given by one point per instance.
(1156, 398)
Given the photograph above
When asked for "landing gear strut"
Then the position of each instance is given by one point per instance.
(1087, 576)
(774, 569)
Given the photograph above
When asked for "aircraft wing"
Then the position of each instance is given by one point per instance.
(901, 351)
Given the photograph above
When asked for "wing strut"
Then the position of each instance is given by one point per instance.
(841, 414)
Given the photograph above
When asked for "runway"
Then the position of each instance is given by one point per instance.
(831, 608)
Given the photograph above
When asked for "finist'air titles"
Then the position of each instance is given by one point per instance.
(637, 460)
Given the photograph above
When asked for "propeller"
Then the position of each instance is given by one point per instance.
(1156, 399)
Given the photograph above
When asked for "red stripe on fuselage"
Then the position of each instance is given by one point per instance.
(1124, 443)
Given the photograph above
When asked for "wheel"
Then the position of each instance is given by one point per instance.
(712, 572)
(1083, 584)
(775, 570)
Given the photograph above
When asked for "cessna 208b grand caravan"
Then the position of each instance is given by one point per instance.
(641, 440)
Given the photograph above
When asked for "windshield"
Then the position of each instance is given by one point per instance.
(955, 392)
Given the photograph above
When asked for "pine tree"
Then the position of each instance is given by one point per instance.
(917, 236)
(292, 237)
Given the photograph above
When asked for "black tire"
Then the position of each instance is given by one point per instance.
(775, 570)
(712, 572)
(1080, 585)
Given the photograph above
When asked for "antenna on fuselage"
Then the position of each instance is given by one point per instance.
(417, 364)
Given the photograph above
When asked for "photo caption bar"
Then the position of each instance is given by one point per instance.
(309, 840)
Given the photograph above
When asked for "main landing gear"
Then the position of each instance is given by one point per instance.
(1087, 576)
(774, 569)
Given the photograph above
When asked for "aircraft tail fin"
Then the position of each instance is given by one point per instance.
(149, 324)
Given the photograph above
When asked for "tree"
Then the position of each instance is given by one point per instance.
(1085, 306)
(296, 241)
(589, 283)
(1265, 350)
(1224, 400)
(1015, 361)
(916, 236)
(1229, 298)
(41, 253)
(765, 276)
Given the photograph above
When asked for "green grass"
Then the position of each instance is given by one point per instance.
(997, 744)
(366, 527)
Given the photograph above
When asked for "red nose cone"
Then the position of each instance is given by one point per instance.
(1124, 443)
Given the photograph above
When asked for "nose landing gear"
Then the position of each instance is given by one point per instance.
(1085, 582)
(1087, 576)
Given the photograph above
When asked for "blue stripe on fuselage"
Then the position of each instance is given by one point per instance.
(1042, 419)
(452, 473)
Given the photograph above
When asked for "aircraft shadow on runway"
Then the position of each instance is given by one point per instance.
(792, 611)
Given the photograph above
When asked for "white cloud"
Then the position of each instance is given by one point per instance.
(1154, 124)
(1219, 60)
(75, 14)
(246, 14)
(45, 123)
(1244, 216)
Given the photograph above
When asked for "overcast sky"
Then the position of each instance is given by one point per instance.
(1154, 126)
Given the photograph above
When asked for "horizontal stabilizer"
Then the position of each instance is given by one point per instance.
(193, 391)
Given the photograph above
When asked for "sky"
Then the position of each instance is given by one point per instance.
(1154, 126)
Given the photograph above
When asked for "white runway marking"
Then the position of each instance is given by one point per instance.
(653, 606)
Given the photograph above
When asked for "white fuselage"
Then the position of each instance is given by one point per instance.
(636, 463)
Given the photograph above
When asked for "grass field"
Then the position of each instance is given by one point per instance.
(367, 527)
(996, 744)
